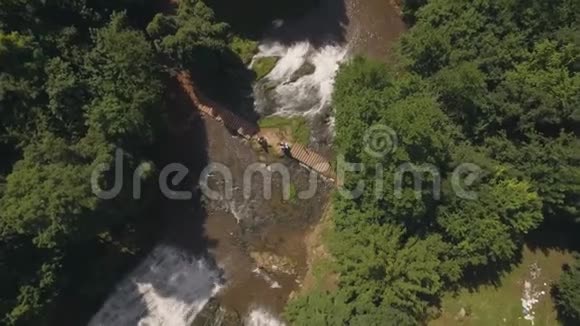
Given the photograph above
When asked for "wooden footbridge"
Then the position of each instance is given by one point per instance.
(248, 129)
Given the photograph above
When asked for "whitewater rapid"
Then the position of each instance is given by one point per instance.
(261, 317)
(282, 92)
(170, 287)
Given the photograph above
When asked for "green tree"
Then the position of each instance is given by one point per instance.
(380, 268)
(324, 308)
(463, 93)
(542, 93)
(67, 94)
(20, 89)
(319, 308)
(124, 82)
(478, 82)
(568, 293)
(68, 97)
(410, 8)
(192, 36)
(490, 230)
(552, 166)
(46, 194)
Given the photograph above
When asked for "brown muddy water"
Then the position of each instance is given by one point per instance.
(246, 228)
(374, 25)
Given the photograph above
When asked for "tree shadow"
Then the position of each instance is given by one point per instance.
(180, 257)
(552, 235)
(488, 275)
(185, 144)
(322, 25)
(317, 21)
(555, 234)
(561, 316)
(9, 154)
(228, 81)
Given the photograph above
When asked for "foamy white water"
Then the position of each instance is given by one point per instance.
(267, 278)
(308, 95)
(261, 317)
(170, 287)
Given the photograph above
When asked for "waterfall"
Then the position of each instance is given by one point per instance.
(170, 287)
(261, 317)
(287, 90)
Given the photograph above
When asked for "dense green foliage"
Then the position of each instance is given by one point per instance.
(191, 36)
(491, 83)
(263, 66)
(295, 128)
(495, 84)
(568, 293)
(246, 49)
(72, 89)
(79, 79)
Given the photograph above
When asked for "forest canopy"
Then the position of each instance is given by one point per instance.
(78, 80)
(495, 84)
(491, 83)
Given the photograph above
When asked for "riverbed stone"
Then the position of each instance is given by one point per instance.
(215, 315)
(273, 263)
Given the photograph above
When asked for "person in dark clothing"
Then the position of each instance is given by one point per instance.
(285, 148)
(264, 143)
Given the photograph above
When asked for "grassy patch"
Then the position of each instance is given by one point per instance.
(296, 127)
(293, 193)
(263, 66)
(306, 69)
(501, 305)
(245, 48)
(321, 274)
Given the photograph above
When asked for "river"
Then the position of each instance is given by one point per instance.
(237, 260)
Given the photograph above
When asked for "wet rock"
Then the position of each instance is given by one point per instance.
(274, 263)
(306, 69)
(213, 314)
(265, 96)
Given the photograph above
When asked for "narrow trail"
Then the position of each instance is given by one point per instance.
(250, 130)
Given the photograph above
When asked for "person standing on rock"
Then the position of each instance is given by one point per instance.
(285, 148)
(264, 143)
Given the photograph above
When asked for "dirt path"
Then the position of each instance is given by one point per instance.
(319, 274)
